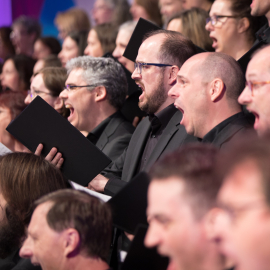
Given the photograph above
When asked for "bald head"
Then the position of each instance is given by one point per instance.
(263, 55)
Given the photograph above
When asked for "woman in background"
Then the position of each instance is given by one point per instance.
(46, 46)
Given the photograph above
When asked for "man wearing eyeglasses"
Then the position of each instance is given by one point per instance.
(208, 86)
(96, 89)
(158, 61)
(256, 95)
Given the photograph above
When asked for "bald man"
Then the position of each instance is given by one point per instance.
(206, 92)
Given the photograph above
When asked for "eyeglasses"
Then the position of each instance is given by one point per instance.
(216, 18)
(138, 66)
(36, 93)
(255, 85)
(74, 87)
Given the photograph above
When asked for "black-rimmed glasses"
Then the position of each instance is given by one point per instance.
(138, 66)
(216, 18)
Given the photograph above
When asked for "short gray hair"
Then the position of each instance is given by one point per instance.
(128, 26)
(99, 71)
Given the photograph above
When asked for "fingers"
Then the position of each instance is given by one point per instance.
(60, 163)
(39, 150)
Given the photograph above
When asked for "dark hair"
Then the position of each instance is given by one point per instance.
(25, 177)
(81, 40)
(52, 61)
(242, 9)
(29, 24)
(24, 65)
(121, 12)
(107, 34)
(14, 101)
(152, 9)
(194, 165)
(52, 43)
(175, 49)
(193, 27)
(5, 40)
(85, 213)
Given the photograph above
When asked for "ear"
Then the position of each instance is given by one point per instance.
(173, 75)
(58, 104)
(100, 93)
(71, 242)
(243, 25)
(210, 222)
(216, 89)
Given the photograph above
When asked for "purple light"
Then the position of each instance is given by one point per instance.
(6, 16)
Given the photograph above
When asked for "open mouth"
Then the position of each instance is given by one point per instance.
(71, 110)
(214, 45)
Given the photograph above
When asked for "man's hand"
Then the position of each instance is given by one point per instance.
(98, 183)
(53, 157)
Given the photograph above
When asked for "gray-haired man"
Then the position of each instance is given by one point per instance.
(95, 90)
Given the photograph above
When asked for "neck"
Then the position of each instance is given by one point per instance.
(81, 262)
(242, 46)
(168, 102)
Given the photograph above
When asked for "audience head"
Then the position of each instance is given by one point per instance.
(124, 33)
(24, 178)
(101, 40)
(49, 61)
(231, 27)
(16, 73)
(204, 4)
(6, 47)
(207, 89)
(181, 201)
(72, 20)
(106, 89)
(111, 11)
(169, 8)
(260, 8)
(49, 83)
(242, 228)
(256, 94)
(68, 215)
(146, 9)
(73, 46)
(25, 31)
(11, 105)
(160, 47)
(190, 23)
(46, 46)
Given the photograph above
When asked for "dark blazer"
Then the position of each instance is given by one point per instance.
(115, 137)
(125, 167)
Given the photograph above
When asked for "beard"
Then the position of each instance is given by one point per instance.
(11, 234)
(153, 102)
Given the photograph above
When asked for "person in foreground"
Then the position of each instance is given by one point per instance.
(24, 178)
(69, 229)
(243, 227)
(208, 86)
(181, 207)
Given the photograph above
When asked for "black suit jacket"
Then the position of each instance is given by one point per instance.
(115, 137)
(125, 167)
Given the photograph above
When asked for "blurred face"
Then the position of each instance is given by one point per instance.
(138, 11)
(121, 44)
(190, 96)
(38, 88)
(169, 8)
(94, 47)
(10, 76)
(41, 50)
(175, 25)
(101, 12)
(225, 33)
(43, 245)
(151, 80)
(258, 100)
(80, 102)
(260, 7)
(243, 229)
(69, 50)
(172, 227)
(188, 4)
(5, 119)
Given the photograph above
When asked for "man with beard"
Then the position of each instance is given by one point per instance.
(24, 178)
(159, 58)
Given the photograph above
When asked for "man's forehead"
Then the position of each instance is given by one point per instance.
(260, 63)
(75, 75)
(191, 64)
(40, 214)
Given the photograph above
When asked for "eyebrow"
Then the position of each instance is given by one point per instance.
(181, 77)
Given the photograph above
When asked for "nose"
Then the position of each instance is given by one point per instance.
(174, 92)
(209, 26)
(153, 236)
(64, 94)
(26, 249)
(27, 100)
(136, 75)
(86, 51)
(116, 53)
(245, 98)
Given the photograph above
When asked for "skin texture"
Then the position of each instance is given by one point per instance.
(258, 103)
(69, 50)
(93, 45)
(38, 85)
(169, 7)
(175, 25)
(40, 50)
(245, 208)
(121, 44)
